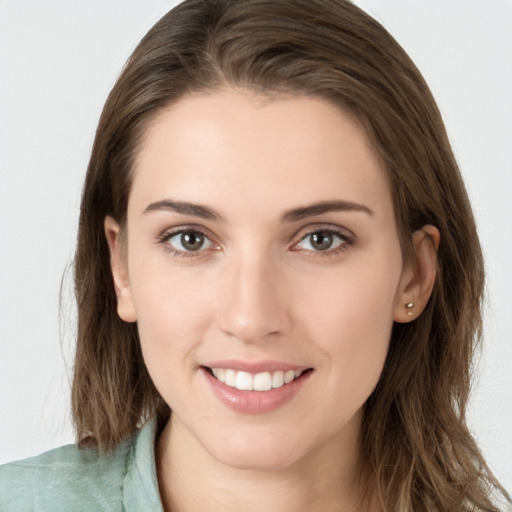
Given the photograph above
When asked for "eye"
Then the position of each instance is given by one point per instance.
(189, 241)
(322, 241)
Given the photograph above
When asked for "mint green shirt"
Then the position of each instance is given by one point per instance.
(75, 480)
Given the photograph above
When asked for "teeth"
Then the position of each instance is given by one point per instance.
(289, 376)
(243, 381)
(230, 378)
(277, 379)
(263, 381)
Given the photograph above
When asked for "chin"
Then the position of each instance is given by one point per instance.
(258, 459)
(255, 449)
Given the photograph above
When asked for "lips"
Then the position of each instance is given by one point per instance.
(255, 388)
(263, 381)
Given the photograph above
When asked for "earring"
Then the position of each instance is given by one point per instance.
(409, 306)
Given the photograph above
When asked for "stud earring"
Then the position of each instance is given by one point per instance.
(409, 306)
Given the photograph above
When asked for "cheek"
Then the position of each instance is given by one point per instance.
(350, 319)
(173, 312)
(171, 323)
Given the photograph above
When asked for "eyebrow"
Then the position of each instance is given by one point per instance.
(324, 207)
(185, 208)
(296, 214)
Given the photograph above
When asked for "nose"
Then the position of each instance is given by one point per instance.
(252, 300)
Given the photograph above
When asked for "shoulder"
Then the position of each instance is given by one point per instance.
(65, 478)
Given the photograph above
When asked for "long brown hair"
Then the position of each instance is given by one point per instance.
(417, 447)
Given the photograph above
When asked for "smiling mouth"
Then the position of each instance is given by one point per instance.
(263, 381)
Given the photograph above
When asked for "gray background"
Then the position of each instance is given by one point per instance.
(59, 59)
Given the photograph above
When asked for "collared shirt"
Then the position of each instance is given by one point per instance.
(74, 480)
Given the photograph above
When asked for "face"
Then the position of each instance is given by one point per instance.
(264, 271)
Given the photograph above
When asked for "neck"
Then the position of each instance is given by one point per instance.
(191, 479)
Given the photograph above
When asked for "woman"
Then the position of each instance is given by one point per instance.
(275, 244)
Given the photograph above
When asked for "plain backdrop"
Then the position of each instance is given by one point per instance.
(58, 61)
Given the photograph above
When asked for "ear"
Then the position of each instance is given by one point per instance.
(419, 277)
(119, 268)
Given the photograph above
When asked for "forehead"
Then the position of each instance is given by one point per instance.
(285, 151)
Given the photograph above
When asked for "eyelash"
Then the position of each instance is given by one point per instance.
(347, 239)
(167, 235)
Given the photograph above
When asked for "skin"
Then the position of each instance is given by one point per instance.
(259, 289)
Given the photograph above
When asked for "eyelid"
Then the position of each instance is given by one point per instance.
(348, 239)
(168, 233)
(344, 233)
(341, 231)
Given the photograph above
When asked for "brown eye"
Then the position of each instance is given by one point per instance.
(189, 241)
(321, 241)
(192, 241)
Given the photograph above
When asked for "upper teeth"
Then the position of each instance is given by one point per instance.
(255, 382)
